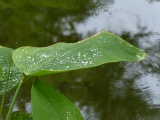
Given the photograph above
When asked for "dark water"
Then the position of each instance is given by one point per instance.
(115, 91)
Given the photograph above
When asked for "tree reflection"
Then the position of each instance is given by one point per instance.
(32, 22)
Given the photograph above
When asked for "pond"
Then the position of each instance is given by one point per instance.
(115, 91)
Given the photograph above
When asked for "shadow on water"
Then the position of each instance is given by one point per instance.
(115, 91)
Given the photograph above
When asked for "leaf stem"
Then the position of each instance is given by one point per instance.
(5, 90)
(14, 98)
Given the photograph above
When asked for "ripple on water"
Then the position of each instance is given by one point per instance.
(149, 86)
(101, 7)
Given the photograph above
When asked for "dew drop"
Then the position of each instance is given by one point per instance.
(90, 62)
(32, 59)
(79, 54)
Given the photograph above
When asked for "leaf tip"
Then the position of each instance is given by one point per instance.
(141, 55)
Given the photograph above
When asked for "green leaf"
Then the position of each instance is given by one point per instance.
(19, 115)
(101, 48)
(48, 104)
(8, 71)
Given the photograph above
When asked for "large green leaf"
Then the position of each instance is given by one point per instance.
(101, 48)
(8, 71)
(19, 115)
(48, 104)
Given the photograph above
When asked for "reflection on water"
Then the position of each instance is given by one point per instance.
(116, 91)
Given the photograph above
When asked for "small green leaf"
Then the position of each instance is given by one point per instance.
(8, 70)
(48, 104)
(99, 49)
(19, 115)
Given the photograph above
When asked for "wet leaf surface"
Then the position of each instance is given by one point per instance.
(8, 70)
(99, 49)
(48, 104)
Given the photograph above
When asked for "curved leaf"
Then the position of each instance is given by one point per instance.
(48, 104)
(8, 70)
(19, 115)
(102, 48)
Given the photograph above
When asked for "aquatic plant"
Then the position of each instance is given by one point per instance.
(19, 65)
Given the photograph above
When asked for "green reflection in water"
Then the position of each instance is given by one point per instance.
(38, 23)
